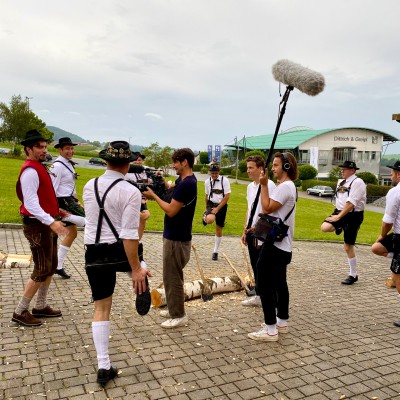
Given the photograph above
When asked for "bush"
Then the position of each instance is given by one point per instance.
(377, 190)
(204, 170)
(368, 177)
(243, 166)
(307, 171)
(335, 174)
(198, 167)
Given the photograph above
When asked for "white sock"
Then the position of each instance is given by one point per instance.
(390, 255)
(217, 243)
(75, 219)
(101, 335)
(353, 266)
(62, 252)
(23, 305)
(272, 329)
(281, 322)
(41, 298)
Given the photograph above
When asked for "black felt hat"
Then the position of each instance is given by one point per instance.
(214, 167)
(31, 137)
(396, 166)
(117, 152)
(64, 141)
(138, 154)
(349, 164)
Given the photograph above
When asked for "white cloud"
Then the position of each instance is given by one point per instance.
(153, 115)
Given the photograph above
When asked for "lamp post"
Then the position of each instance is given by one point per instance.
(129, 140)
(27, 99)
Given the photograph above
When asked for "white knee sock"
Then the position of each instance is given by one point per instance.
(217, 243)
(353, 266)
(62, 252)
(75, 219)
(41, 297)
(101, 334)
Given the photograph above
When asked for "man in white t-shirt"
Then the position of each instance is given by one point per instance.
(218, 190)
(255, 167)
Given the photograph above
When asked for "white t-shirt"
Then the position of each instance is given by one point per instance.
(285, 194)
(251, 195)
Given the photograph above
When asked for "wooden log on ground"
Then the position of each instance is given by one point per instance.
(390, 283)
(18, 260)
(250, 279)
(194, 289)
(244, 284)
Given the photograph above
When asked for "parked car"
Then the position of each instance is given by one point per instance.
(321, 191)
(97, 161)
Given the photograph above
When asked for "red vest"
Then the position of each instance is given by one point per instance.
(46, 194)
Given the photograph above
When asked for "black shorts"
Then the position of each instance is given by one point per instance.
(102, 263)
(221, 214)
(387, 243)
(350, 224)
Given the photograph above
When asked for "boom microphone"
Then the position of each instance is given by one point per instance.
(302, 78)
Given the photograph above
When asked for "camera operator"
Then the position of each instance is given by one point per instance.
(179, 206)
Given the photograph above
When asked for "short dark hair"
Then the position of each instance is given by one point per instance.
(290, 158)
(184, 154)
(260, 163)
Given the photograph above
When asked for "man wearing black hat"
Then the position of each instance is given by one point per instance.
(63, 177)
(388, 244)
(351, 196)
(39, 210)
(112, 207)
(218, 190)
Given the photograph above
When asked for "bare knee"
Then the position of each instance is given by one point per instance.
(378, 249)
(327, 227)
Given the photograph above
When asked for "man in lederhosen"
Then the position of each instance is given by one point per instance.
(218, 190)
(63, 176)
(351, 196)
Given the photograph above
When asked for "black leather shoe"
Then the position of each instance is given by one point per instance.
(62, 273)
(396, 323)
(350, 280)
(105, 375)
(214, 256)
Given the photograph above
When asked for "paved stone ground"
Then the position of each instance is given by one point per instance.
(341, 344)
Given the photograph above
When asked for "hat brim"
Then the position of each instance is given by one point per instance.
(394, 167)
(346, 166)
(114, 160)
(56, 146)
(33, 139)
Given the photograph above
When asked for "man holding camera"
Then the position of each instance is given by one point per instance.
(63, 176)
(351, 196)
(179, 206)
(218, 190)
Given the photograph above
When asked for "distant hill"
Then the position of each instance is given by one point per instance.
(59, 133)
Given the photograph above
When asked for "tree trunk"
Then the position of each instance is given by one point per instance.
(194, 289)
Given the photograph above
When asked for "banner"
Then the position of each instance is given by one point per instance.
(314, 157)
(218, 153)
(209, 149)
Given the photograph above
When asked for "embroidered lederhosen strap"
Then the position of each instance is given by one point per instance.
(102, 212)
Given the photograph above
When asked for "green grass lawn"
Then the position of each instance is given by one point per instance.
(309, 215)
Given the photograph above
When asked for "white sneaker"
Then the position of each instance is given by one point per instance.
(174, 322)
(165, 314)
(254, 301)
(263, 334)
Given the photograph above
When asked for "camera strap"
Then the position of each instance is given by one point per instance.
(102, 211)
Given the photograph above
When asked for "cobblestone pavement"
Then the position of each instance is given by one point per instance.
(341, 342)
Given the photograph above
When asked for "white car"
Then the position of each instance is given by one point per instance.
(321, 191)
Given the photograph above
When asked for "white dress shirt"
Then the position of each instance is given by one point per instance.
(219, 183)
(392, 209)
(357, 195)
(29, 185)
(63, 179)
(122, 206)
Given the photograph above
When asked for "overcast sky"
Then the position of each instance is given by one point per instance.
(191, 73)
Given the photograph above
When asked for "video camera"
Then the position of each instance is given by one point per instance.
(157, 184)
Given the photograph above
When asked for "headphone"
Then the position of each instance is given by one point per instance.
(285, 164)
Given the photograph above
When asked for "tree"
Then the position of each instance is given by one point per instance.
(307, 171)
(17, 119)
(368, 177)
(203, 159)
(157, 156)
(335, 174)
